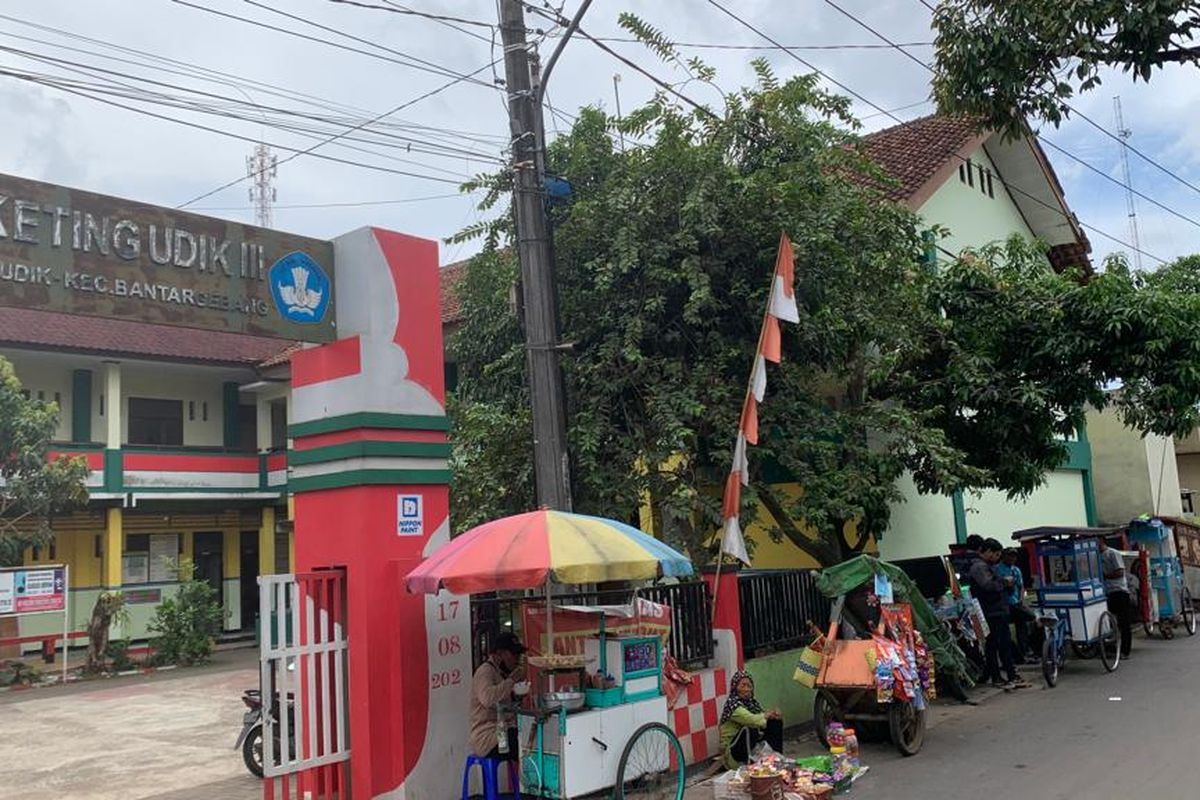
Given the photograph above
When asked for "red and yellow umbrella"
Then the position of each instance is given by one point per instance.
(528, 551)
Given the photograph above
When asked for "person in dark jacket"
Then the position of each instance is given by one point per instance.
(992, 592)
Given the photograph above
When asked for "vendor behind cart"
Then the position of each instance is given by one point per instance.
(497, 682)
(744, 723)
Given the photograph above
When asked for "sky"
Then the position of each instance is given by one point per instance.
(426, 149)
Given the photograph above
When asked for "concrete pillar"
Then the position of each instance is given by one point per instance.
(114, 408)
(266, 542)
(262, 410)
(231, 588)
(114, 545)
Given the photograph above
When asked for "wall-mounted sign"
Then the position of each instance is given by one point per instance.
(410, 517)
(31, 591)
(82, 253)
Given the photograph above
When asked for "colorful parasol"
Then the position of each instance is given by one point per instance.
(530, 550)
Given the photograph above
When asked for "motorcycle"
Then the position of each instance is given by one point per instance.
(250, 741)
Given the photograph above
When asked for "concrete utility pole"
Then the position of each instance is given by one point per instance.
(552, 470)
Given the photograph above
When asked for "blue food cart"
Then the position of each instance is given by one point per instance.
(1071, 603)
(1170, 599)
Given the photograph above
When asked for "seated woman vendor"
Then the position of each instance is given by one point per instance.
(744, 723)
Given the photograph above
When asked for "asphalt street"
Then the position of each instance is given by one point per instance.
(1132, 734)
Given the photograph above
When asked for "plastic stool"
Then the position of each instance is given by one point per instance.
(491, 782)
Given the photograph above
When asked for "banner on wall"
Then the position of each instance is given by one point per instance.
(571, 627)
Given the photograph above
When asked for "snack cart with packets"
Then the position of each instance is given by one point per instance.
(1170, 600)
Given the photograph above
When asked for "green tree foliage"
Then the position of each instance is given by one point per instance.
(185, 624)
(968, 376)
(1006, 60)
(34, 488)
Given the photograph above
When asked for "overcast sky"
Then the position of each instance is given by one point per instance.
(66, 138)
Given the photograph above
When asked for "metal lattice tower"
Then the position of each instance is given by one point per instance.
(1130, 206)
(261, 170)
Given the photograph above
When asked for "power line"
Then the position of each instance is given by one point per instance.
(1115, 137)
(753, 47)
(395, 8)
(412, 63)
(347, 204)
(1009, 185)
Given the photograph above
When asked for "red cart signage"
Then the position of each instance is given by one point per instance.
(32, 591)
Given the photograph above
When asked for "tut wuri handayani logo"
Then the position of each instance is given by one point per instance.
(300, 288)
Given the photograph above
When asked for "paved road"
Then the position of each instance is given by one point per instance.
(168, 736)
(1131, 735)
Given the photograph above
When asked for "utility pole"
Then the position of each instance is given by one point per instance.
(1123, 134)
(552, 471)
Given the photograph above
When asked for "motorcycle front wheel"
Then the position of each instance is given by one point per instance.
(252, 751)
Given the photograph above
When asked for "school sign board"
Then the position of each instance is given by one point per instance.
(32, 591)
(78, 252)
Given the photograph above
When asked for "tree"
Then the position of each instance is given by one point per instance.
(967, 377)
(35, 488)
(1007, 60)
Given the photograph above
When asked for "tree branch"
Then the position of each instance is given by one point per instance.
(816, 548)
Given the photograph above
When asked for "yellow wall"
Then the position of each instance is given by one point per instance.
(768, 554)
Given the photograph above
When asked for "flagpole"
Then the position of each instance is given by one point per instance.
(762, 335)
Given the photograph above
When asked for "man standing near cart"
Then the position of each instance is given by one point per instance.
(1116, 588)
(992, 591)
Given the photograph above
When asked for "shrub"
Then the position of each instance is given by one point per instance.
(118, 653)
(186, 623)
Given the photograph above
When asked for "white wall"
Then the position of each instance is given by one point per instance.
(38, 375)
(923, 525)
(1059, 501)
(974, 219)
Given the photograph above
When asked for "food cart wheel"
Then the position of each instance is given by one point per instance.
(1109, 642)
(1189, 613)
(1148, 627)
(1167, 629)
(907, 727)
(826, 709)
(1050, 660)
(651, 765)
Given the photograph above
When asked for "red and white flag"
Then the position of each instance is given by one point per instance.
(780, 307)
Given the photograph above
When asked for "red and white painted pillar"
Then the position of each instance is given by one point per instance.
(369, 474)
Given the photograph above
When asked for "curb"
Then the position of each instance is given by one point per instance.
(56, 680)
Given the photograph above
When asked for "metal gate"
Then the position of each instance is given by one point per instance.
(303, 676)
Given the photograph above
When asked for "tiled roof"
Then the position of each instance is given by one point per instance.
(449, 277)
(25, 327)
(913, 152)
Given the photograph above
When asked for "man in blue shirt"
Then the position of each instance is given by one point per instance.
(1007, 568)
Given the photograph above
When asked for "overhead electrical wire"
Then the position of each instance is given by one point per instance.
(1012, 187)
(346, 204)
(1111, 135)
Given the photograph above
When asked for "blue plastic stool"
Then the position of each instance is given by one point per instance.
(491, 782)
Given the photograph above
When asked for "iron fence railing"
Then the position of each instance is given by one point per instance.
(691, 641)
(777, 607)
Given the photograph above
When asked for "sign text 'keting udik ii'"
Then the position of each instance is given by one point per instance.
(82, 253)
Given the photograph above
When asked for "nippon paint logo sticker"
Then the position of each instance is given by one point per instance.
(410, 515)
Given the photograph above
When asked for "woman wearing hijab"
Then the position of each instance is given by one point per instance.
(744, 723)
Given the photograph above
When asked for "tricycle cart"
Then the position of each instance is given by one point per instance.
(1072, 606)
(1170, 600)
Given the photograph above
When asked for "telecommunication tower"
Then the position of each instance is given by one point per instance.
(261, 169)
(1123, 134)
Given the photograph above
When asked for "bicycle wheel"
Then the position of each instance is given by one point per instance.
(907, 726)
(1109, 642)
(651, 765)
(1049, 661)
(1148, 627)
(1189, 613)
(826, 709)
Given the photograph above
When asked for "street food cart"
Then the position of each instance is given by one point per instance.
(587, 731)
(1170, 601)
(598, 718)
(1071, 603)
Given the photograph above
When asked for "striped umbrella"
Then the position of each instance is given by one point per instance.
(527, 551)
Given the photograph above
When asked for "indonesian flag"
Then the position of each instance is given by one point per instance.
(780, 307)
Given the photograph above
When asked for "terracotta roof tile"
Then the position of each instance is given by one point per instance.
(913, 152)
(450, 276)
(25, 327)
